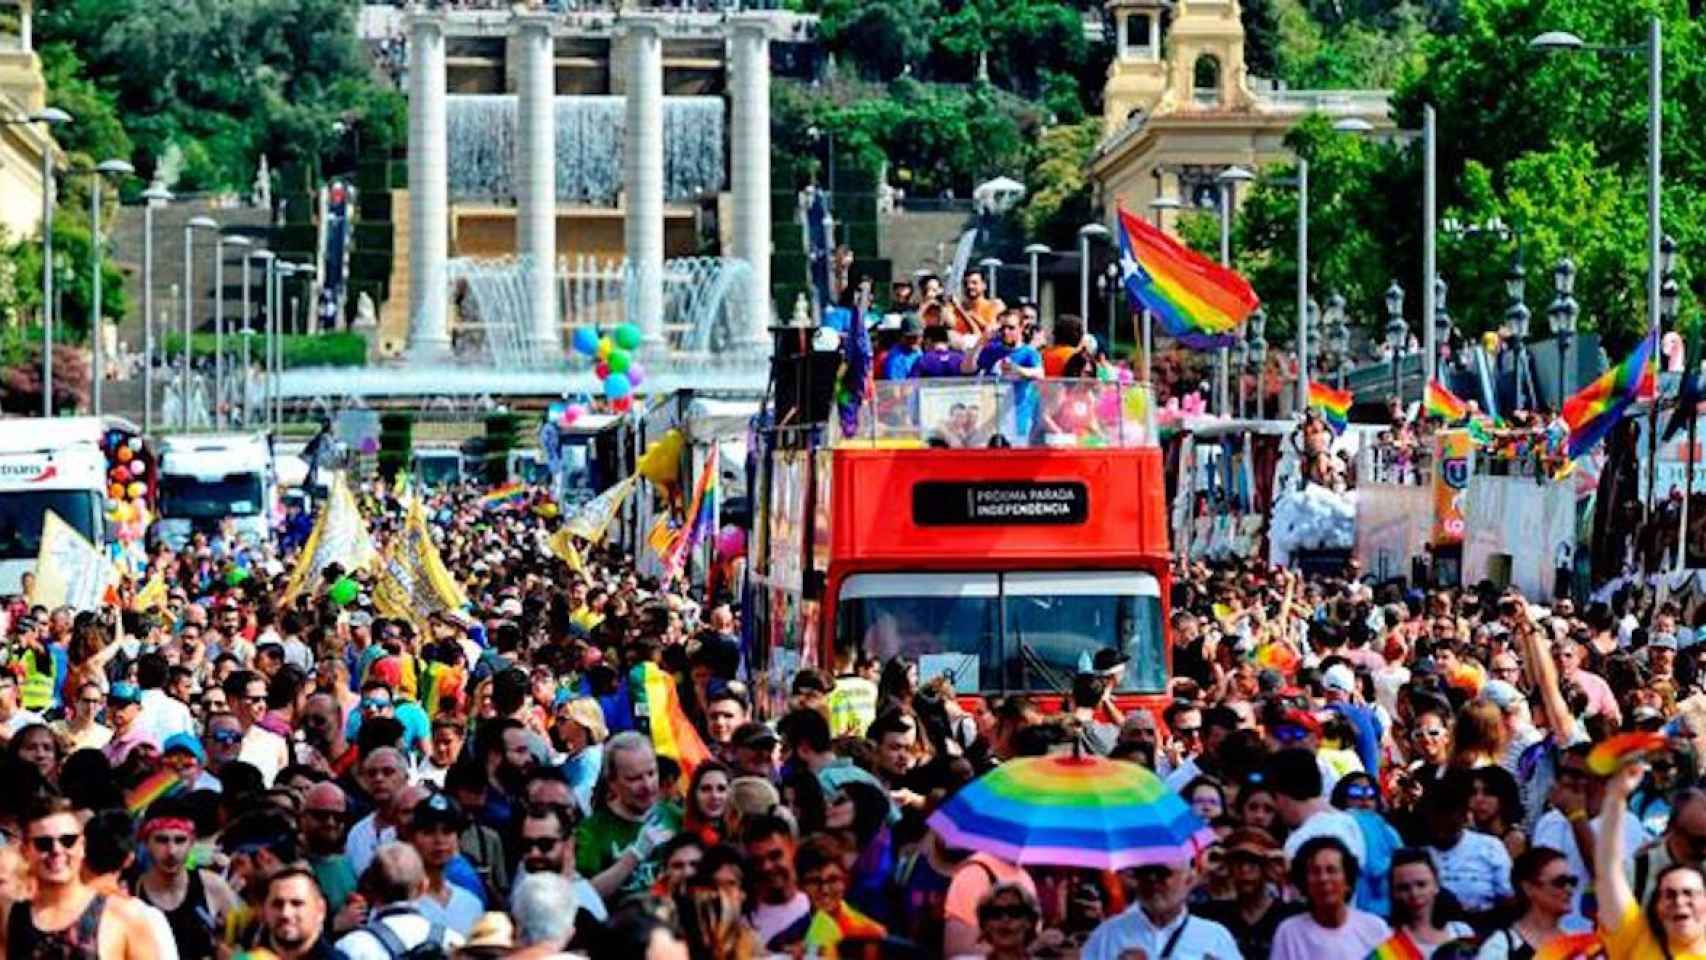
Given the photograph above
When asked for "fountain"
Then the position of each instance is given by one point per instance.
(482, 135)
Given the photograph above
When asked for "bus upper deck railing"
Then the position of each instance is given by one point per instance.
(966, 413)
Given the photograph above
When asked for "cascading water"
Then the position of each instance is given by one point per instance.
(481, 132)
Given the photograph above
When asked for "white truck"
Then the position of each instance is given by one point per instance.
(205, 478)
(56, 465)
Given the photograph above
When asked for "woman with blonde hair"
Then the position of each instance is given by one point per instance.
(1478, 736)
(752, 797)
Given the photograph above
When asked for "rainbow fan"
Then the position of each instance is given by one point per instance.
(1612, 753)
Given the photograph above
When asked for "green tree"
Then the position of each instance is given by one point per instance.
(1059, 198)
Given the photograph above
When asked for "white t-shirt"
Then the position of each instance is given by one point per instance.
(1301, 938)
(1328, 823)
(1477, 870)
(768, 920)
(364, 840)
(163, 716)
(411, 928)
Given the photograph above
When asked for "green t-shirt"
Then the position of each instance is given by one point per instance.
(602, 837)
(336, 878)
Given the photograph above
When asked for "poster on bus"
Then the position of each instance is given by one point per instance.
(788, 518)
(958, 414)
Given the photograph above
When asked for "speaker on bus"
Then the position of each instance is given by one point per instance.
(802, 377)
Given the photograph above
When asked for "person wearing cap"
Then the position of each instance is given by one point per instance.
(193, 900)
(753, 751)
(1342, 695)
(185, 756)
(434, 830)
(898, 362)
(1255, 911)
(124, 708)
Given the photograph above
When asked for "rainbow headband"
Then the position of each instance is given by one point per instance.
(178, 824)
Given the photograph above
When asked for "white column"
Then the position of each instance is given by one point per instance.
(642, 174)
(429, 192)
(749, 164)
(536, 183)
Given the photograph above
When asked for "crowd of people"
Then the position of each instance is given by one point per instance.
(235, 770)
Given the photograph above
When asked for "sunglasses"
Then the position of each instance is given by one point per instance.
(375, 704)
(539, 844)
(1016, 911)
(226, 736)
(65, 840)
(1290, 734)
(1361, 791)
(1564, 881)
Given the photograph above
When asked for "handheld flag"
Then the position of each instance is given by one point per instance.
(1399, 946)
(1609, 754)
(144, 794)
(1444, 404)
(340, 536)
(1598, 407)
(507, 495)
(70, 571)
(593, 518)
(562, 544)
(657, 711)
(1335, 405)
(701, 517)
(152, 596)
(826, 931)
(1199, 302)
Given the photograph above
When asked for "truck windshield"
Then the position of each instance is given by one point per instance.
(21, 514)
(235, 494)
(1022, 632)
(438, 471)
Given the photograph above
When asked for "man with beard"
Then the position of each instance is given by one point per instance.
(614, 846)
(324, 810)
(384, 772)
(192, 900)
(505, 749)
(324, 732)
(547, 842)
(294, 916)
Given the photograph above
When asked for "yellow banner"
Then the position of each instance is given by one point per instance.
(562, 544)
(1454, 458)
(412, 581)
(340, 536)
(593, 518)
(70, 571)
(152, 596)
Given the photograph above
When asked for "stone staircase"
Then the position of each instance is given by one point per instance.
(127, 243)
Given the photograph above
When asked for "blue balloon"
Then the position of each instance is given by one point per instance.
(616, 386)
(586, 340)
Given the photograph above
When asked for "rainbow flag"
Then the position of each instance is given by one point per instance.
(506, 495)
(1572, 946)
(827, 930)
(1609, 754)
(657, 711)
(143, 795)
(1599, 406)
(1399, 946)
(701, 517)
(1444, 404)
(1335, 405)
(1199, 302)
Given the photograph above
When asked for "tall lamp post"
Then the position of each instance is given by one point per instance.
(1228, 180)
(1255, 327)
(1337, 334)
(1516, 324)
(190, 227)
(1034, 251)
(1109, 284)
(1558, 41)
(1561, 316)
(221, 241)
(1441, 329)
(1397, 335)
(50, 117)
(249, 331)
(155, 194)
(1242, 364)
(1086, 233)
(991, 267)
(102, 170)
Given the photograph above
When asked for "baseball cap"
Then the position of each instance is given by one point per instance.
(438, 810)
(1339, 677)
(186, 743)
(124, 692)
(754, 736)
(1663, 641)
(1108, 659)
(1501, 694)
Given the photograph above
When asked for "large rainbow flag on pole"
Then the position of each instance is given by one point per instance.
(1335, 405)
(701, 517)
(1199, 302)
(658, 713)
(1442, 403)
(1597, 407)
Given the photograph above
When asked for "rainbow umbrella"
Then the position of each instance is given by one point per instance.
(1072, 811)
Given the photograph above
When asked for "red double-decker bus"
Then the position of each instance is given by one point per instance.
(1000, 533)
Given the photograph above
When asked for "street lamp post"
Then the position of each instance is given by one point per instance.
(97, 375)
(1228, 181)
(1397, 335)
(991, 267)
(1086, 233)
(1558, 41)
(1561, 316)
(1034, 251)
(1441, 339)
(1257, 325)
(1337, 334)
(1242, 365)
(248, 334)
(1516, 322)
(190, 227)
(1111, 282)
(50, 117)
(155, 194)
(219, 244)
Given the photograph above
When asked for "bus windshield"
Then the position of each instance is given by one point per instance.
(196, 498)
(21, 514)
(1019, 632)
(438, 471)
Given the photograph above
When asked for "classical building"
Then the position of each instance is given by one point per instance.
(1180, 105)
(23, 92)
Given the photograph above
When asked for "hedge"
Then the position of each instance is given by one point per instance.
(299, 349)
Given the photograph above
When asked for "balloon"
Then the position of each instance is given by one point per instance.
(616, 386)
(604, 347)
(237, 575)
(556, 410)
(124, 454)
(135, 444)
(622, 405)
(571, 413)
(586, 340)
(731, 543)
(138, 468)
(1490, 342)
(343, 592)
(628, 336)
(116, 491)
(620, 360)
(137, 489)
(602, 370)
(661, 462)
(119, 474)
(1108, 405)
(636, 373)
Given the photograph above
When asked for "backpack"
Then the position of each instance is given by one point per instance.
(432, 948)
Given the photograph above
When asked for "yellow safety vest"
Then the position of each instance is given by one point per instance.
(36, 692)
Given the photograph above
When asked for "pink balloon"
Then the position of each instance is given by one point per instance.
(602, 370)
(731, 543)
(1108, 406)
(571, 413)
(636, 374)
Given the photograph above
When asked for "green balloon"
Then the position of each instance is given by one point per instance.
(235, 576)
(619, 360)
(343, 592)
(627, 337)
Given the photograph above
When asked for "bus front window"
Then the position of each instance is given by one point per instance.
(945, 623)
(1057, 622)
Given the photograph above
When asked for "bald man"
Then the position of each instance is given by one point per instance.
(385, 775)
(325, 809)
(393, 884)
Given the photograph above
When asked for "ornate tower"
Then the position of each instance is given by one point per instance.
(1175, 55)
